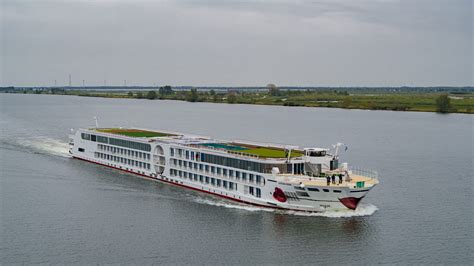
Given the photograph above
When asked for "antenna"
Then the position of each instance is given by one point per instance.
(83, 83)
(55, 83)
(96, 122)
(69, 80)
(288, 153)
(125, 83)
(337, 148)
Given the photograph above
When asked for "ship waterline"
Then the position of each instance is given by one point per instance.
(268, 175)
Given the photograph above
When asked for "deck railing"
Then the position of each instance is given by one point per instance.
(364, 172)
(244, 154)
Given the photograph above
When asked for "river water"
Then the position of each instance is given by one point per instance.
(55, 209)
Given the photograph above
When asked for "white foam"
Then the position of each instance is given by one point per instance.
(231, 205)
(45, 145)
(362, 209)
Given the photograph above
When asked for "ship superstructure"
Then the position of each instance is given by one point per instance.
(268, 175)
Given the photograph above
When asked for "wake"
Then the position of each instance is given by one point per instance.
(38, 145)
(364, 209)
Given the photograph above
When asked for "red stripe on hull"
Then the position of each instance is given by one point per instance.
(197, 189)
(350, 202)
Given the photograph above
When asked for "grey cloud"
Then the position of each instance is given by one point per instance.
(237, 43)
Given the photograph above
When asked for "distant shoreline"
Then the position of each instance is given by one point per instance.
(454, 102)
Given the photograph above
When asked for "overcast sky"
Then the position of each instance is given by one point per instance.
(237, 43)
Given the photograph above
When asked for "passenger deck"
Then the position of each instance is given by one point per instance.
(322, 181)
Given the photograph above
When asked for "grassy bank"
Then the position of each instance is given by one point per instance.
(412, 101)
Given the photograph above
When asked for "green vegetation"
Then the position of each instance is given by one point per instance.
(138, 133)
(192, 95)
(271, 153)
(443, 104)
(151, 95)
(231, 97)
(273, 90)
(165, 90)
(265, 152)
(395, 100)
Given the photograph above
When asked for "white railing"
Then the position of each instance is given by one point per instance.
(364, 172)
(244, 154)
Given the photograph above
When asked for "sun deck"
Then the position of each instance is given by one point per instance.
(247, 149)
(251, 150)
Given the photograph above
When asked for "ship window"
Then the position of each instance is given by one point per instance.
(207, 180)
(251, 190)
(85, 136)
(231, 173)
(103, 139)
(301, 193)
(213, 169)
(187, 154)
(218, 181)
(172, 151)
(200, 167)
(317, 153)
(244, 176)
(258, 179)
(313, 189)
(224, 171)
(336, 191)
(213, 181)
(218, 170)
(82, 150)
(250, 177)
(231, 185)
(93, 138)
(224, 183)
(325, 190)
(192, 155)
(258, 193)
(200, 178)
(237, 174)
(299, 188)
(185, 164)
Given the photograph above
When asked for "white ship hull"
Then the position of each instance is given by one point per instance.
(153, 159)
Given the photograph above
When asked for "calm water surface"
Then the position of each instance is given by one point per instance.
(59, 210)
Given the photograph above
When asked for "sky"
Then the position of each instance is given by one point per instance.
(237, 43)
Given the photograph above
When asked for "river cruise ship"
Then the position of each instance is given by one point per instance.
(267, 175)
